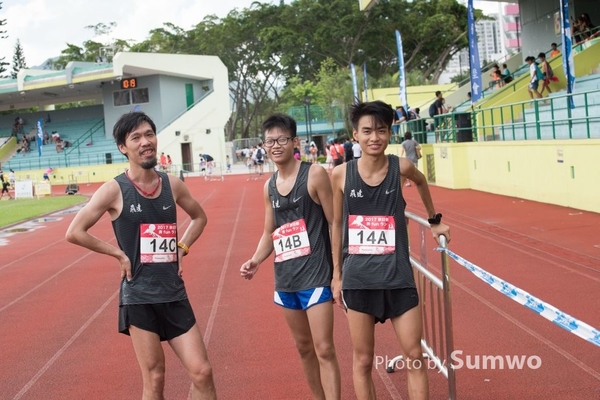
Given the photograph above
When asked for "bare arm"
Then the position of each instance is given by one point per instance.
(338, 181)
(265, 244)
(107, 198)
(319, 188)
(409, 170)
(184, 199)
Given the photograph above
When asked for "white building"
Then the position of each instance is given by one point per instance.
(489, 42)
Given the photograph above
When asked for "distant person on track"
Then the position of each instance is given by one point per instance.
(298, 215)
(372, 276)
(153, 303)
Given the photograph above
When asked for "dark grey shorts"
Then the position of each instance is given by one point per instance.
(167, 320)
(383, 304)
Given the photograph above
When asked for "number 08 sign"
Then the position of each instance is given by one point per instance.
(158, 243)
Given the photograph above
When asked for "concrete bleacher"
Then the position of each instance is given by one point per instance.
(89, 147)
(553, 114)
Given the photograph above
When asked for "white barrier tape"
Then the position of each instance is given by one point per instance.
(542, 308)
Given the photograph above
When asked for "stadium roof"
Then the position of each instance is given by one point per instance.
(81, 81)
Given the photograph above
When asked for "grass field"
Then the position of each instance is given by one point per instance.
(12, 211)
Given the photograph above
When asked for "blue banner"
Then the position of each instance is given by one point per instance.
(401, 76)
(40, 135)
(567, 49)
(365, 82)
(474, 63)
(354, 84)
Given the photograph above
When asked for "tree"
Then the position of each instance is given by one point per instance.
(3, 35)
(18, 60)
(335, 90)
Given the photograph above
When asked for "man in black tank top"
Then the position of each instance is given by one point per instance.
(153, 304)
(298, 214)
(372, 276)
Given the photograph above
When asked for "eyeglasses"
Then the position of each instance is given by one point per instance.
(282, 141)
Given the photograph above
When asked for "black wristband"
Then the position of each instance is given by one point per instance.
(437, 218)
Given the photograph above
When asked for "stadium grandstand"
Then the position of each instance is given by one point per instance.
(186, 96)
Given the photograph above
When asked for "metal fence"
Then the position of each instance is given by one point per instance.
(435, 302)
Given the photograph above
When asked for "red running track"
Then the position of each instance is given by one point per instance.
(58, 306)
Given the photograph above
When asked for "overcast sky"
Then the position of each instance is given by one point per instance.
(45, 26)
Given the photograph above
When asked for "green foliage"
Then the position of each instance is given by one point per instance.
(18, 60)
(279, 54)
(3, 63)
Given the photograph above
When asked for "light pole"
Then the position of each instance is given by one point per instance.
(517, 18)
(308, 123)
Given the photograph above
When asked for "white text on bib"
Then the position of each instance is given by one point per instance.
(291, 241)
(371, 234)
(158, 243)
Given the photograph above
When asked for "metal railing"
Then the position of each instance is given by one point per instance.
(435, 302)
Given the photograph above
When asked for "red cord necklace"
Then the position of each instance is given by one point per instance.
(146, 194)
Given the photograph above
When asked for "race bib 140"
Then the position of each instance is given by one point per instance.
(158, 243)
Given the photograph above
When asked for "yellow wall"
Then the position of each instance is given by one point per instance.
(8, 147)
(525, 169)
(81, 175)
(425, 150)
(417, 96)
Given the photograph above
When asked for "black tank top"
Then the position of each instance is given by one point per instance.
(152, 282)
(367, 212)
(303, 271)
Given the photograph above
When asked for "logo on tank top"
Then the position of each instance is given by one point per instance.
(135, 209)
(389, 191)
(275, 203)
(354, 193)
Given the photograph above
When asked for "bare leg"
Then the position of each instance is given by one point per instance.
(362, 332)
(151, 359)
(408, 328)
(297, 320)
(190, 349)
(320, 318)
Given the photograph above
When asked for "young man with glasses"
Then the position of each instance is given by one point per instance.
(298, 216)
(373, 278)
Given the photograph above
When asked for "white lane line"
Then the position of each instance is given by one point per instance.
(64, 348)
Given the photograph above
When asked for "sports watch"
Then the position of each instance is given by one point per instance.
(437, 218)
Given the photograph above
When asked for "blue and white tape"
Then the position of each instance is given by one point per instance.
(542, 308)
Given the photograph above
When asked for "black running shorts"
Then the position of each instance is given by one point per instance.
(382, 304)
(167, 320)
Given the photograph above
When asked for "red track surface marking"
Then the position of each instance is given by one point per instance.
(60, 341)
(66, 346)
(43, 283)
(215, 306)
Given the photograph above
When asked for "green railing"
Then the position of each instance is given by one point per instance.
(33, 162)
(83, 139)
(545, 118)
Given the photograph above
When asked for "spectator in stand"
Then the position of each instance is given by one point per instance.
(554, 50)
(498, 79)
(534, 78)
(348, 154)
(506, 74)
(169, 163)
(55, 137)
(414, 113)
(547, 73)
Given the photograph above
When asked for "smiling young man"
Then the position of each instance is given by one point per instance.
(153, 303)
(372, 276)
(298, 215)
